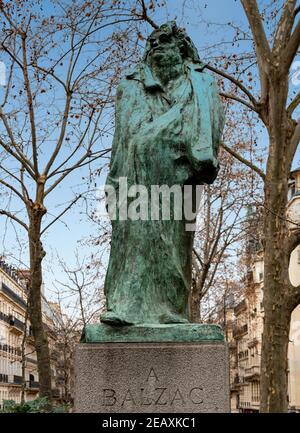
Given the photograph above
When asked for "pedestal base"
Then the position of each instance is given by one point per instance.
(188, 377)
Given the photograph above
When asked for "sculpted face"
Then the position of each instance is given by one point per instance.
(164, 48)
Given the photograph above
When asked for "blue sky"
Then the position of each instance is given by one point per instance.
(64, 239)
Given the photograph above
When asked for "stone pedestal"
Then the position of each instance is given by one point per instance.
(153, 377)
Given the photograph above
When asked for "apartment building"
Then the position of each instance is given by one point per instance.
(13, 347)
(16, 350)
(244, 327)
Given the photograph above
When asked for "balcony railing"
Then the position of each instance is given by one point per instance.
(238, 380)
(12, 321)
(253, 342)
(13, 273)
(239, 331)
(13, 380)
(13, 296)
(11, 349)
(17, 380)
(33, 384)
(250, 372)
(16, 324)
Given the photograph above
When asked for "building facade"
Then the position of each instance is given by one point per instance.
(244, 327)
(14, 348)
(18, 361)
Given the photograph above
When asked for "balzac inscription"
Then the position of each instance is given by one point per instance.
(152, 395)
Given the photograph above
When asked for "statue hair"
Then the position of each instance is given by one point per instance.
(186, 45)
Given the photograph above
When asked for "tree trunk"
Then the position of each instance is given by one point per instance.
(274, 362)
(276, 310)
(194, 308)
(275, 340)
(35, 301)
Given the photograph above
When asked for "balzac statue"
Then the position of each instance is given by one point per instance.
(169, 121)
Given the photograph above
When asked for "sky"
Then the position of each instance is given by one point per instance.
(66, 237)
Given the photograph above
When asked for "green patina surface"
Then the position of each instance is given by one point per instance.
(191, 332)
(168, 127)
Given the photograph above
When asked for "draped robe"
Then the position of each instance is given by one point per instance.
(161, 138)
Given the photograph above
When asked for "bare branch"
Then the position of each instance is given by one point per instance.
(14, 26)
(22, 159)
(293, 105)
(92, 32)
(245, 161)
(14, 218)
(73, 64)
(49, 72)
(236, 82)
(21, 181)
(19, 155)
(62, 134)
(145, 15)
(235, 98)
(198, 256)
(259, 35)
(284, 27)
(14, 58)
(262, 47)
(30, 107)
(295, 141)
(8, 85)
(82, 161)
(13, 189)
(57, 169)
(61, 214)
(292, 48)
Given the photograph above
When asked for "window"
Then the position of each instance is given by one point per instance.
(255, 394)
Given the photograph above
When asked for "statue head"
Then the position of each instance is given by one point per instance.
(170, 44)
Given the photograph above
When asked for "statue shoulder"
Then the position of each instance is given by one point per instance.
(203, 79)
(124, 89)
(128, 82)
(199, 70)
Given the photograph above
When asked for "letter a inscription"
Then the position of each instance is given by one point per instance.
(152, 375)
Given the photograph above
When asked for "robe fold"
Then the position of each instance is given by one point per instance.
(162, 137)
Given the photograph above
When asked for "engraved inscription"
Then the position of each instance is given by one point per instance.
(153, 394)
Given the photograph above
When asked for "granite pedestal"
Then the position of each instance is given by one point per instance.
(152, 376)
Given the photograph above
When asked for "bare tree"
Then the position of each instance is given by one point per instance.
(81, 291)
(55, 114)
(223, 217)
(79, 302)
(275, 108)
